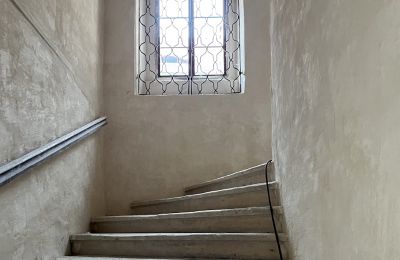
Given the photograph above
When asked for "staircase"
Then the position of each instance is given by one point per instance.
(225, 218)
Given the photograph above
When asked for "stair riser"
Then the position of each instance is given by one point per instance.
(246, 179)
(241, 200)
(174, 249)
(233, 224)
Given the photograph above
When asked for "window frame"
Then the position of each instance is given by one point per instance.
(191, 46)
(234, 80)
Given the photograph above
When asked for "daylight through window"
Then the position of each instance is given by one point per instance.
(189, 47)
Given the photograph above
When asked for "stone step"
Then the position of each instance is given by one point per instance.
(254, 195)
(108, 258)
(124, 258)
(178, 245)
(249, 176)
(253, 219)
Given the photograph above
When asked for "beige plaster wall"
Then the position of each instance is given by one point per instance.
(336, 126)
(155, 146)
(50, 84)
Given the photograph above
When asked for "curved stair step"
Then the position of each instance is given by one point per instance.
(245, 177)
(109, 258)
(178, 245)
(254, 195)
(253, 219)
(124, 258)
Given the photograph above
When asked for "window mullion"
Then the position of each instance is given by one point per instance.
(191, 40)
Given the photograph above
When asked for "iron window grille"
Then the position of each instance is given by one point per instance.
(189, 47)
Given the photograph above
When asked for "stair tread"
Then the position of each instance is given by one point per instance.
(227, 177)
(250, 211)
(224, 218)
(109, 258)
(235, 190)
(124, 258)
(178, 236)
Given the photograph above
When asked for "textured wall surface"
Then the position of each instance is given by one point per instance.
(158, 145)
(50, 84)
(336, 125)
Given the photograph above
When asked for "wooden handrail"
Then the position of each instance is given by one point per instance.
(14, 168)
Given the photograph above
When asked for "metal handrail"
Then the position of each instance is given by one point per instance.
(17, 167)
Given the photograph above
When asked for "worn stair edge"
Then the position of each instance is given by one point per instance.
(111, 258)
(117, 258)
(251, 211)
(178, 245)
(130, 258)
(267, 237)
(235, 190)
(228, 177)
